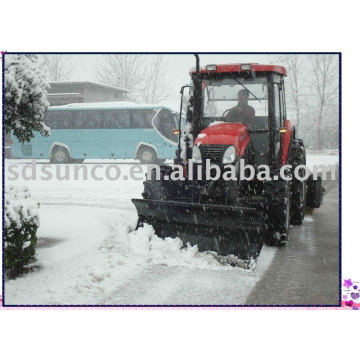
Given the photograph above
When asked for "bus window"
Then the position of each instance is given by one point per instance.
(123, 119)
(66, 121)
(165, 124)
(59, 119)
(81, 119)
(49, 119)
(109, 119)
(115, 119)
(93, 119)
(141, 119)
(76, 119)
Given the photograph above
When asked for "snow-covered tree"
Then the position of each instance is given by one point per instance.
(25, 97)
(21, 222)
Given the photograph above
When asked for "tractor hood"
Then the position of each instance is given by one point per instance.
(225, 134)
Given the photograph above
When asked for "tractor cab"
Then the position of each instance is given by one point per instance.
(243, 99)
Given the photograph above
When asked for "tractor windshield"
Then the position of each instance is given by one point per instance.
(236, 100)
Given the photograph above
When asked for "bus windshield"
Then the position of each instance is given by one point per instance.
(165, 123)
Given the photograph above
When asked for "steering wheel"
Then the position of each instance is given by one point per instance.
(225, 113)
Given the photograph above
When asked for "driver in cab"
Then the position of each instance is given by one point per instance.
(242, 113)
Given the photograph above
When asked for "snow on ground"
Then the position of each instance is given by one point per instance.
(85, 253)
(89, 253)
(321, 160)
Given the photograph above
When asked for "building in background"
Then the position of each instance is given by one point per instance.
(68, 92)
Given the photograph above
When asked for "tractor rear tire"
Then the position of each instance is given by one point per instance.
(298, 202)
(314, 193)
(278, 216)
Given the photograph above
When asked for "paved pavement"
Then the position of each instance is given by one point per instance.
(306, 272)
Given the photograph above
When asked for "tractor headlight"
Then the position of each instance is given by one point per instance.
(229, 155)
(196, 155)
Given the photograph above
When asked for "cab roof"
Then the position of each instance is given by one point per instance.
(238, 68)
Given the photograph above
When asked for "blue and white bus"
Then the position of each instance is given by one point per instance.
(120, 130)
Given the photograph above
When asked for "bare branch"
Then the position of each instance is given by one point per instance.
(125, 71)
(156, 88)
(59, 67)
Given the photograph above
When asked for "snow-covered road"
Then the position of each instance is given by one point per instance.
(89, 253)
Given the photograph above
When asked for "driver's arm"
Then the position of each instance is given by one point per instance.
(248, 116)
(251, 112)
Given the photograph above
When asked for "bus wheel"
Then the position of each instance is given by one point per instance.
(60, 155)
(147, 156)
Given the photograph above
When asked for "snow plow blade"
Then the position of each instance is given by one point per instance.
(228, 230)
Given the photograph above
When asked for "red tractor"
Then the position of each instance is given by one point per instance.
(235, 115)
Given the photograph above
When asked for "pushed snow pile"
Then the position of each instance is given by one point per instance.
(144, 245)
(21, 223)
(95, 259)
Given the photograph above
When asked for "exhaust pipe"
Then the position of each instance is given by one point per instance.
(197, 91)
(197, 64)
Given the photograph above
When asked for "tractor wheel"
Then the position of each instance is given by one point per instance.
(60, 155)
(158, 189)
(298, 195)
(278, 217)
(298, 202)
(315, 193)
(147, 155)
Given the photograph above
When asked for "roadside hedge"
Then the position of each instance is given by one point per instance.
(21, 224)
